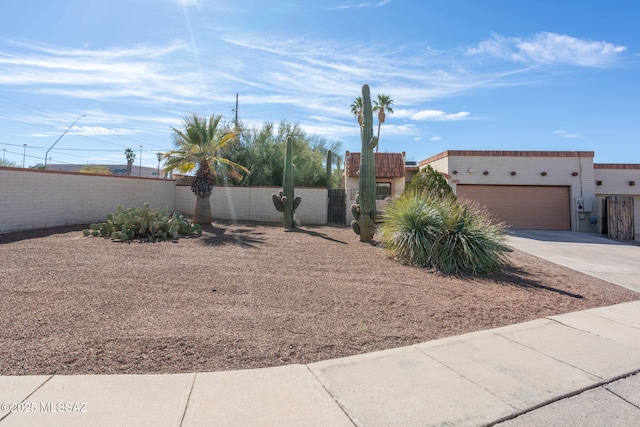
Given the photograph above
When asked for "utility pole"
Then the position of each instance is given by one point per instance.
(159, 156)
(140, 168)
(236, 111)
(24, 153)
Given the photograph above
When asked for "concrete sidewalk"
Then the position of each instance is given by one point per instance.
(587, 358)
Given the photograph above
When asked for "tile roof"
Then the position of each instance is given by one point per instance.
(388, 165)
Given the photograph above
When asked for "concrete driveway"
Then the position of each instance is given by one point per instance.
(594, 254)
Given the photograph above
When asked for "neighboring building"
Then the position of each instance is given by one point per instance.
(390, 177)
(526, 189)
(119, 170)
(546, 190)
(410, 170)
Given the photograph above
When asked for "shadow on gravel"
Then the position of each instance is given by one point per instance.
(513, 276)
(40, 232)
(315, 234)
(221, 234)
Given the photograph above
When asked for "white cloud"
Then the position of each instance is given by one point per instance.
(431, 115)
(360, 5)
(152, 73)
(550, 48)
(317, 79)
(565, 134)
(435, 138)
(397, 129)
(187, 3)
(99, 131)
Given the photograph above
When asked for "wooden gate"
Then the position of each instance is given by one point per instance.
(337, 207)
(619, 217)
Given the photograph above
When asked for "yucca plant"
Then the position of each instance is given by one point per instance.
(444, 234)
(410, 226)
(470, 242)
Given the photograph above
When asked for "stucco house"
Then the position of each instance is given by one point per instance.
(390, 177)
(546, 190)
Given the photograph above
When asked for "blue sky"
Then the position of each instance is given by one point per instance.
(463, 74)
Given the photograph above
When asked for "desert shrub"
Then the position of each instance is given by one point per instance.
(442, 233)
(410, 226)
(150, 224)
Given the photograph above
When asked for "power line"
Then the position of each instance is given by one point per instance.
(35, 147)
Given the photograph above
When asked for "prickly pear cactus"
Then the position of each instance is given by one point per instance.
(285, 201)
(364, 210)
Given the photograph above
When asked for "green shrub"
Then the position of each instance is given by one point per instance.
(429, 180)
(442, 233)
(151, 224)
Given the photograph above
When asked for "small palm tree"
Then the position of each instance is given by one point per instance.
(356, 109)
(198, 145)
(131, 156)
(382, 105)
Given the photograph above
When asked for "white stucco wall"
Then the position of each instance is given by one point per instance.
(255, 204)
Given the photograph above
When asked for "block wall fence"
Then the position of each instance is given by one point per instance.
(254, 204)
(31, 198)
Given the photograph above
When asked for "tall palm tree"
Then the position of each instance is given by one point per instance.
(199, 145)
(131, 156)
(356, 109)
(382, 105)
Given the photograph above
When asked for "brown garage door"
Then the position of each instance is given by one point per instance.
(523, 206)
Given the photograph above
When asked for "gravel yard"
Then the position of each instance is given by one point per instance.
(246, 296)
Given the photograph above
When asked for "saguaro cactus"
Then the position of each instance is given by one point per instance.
(364, 210)
(285, 201)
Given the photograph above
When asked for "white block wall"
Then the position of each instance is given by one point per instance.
(37, 199)
(255, 204)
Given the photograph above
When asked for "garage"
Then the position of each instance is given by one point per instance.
(523, 206)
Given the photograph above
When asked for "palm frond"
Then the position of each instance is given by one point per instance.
(199, 144)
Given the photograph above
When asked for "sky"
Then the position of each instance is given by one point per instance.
(463, 74)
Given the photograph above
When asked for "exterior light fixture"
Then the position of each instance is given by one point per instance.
(485, 173)
(632, 183)
(543, 173)
(574, 173)
(598, 182)
(455, 172)
(513, 173)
